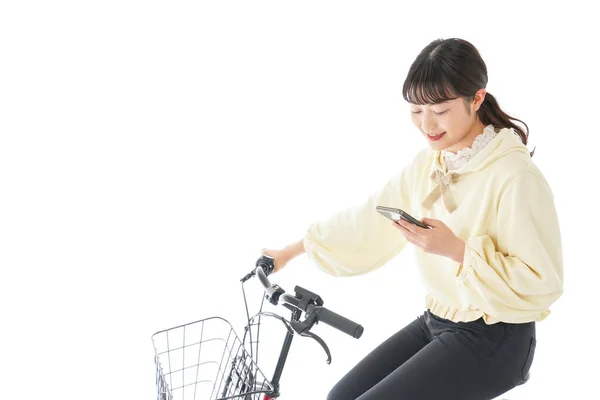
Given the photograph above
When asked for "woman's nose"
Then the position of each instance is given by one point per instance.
(428, 125)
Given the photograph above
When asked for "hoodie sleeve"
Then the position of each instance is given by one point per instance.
(359, 239)
(521, 274)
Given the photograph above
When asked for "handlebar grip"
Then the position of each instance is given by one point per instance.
(338, 322)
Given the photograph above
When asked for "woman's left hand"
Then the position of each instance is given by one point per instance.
(438, 240)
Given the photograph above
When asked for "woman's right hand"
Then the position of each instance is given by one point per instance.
(280, 258)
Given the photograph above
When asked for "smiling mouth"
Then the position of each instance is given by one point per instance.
(435, 137)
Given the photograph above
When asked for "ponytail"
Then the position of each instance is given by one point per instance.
(490, 113)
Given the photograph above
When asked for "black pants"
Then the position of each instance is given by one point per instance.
(435, 358)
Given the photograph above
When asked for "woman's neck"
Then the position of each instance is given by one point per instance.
(467, 140)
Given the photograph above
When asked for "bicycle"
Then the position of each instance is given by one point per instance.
(227, 369)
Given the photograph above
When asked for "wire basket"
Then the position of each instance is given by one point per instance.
(206, 360)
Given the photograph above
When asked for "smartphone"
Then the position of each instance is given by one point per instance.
(396, 214)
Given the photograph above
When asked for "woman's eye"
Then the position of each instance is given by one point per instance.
(436, 113)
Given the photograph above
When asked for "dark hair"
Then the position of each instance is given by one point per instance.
(450, 68)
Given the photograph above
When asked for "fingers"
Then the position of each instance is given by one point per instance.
(413, 228)
(409, 235)
(434, 223)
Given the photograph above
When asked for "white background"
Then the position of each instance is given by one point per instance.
(149, 150)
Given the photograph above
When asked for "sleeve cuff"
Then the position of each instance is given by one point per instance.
(465, 266)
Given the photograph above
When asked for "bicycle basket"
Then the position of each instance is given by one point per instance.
(206, 360)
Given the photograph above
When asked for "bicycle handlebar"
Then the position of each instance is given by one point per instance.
(323, 314)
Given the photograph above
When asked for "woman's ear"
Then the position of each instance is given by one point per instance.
(479, 99)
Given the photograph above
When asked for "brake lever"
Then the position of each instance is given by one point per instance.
(320, 341)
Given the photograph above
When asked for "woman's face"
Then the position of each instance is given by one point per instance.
(451, 125)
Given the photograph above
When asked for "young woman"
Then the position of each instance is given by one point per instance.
(492, 261)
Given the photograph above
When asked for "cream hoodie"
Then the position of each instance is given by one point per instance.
(499, 203)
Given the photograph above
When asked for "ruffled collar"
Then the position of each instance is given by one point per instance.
(456, 160)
